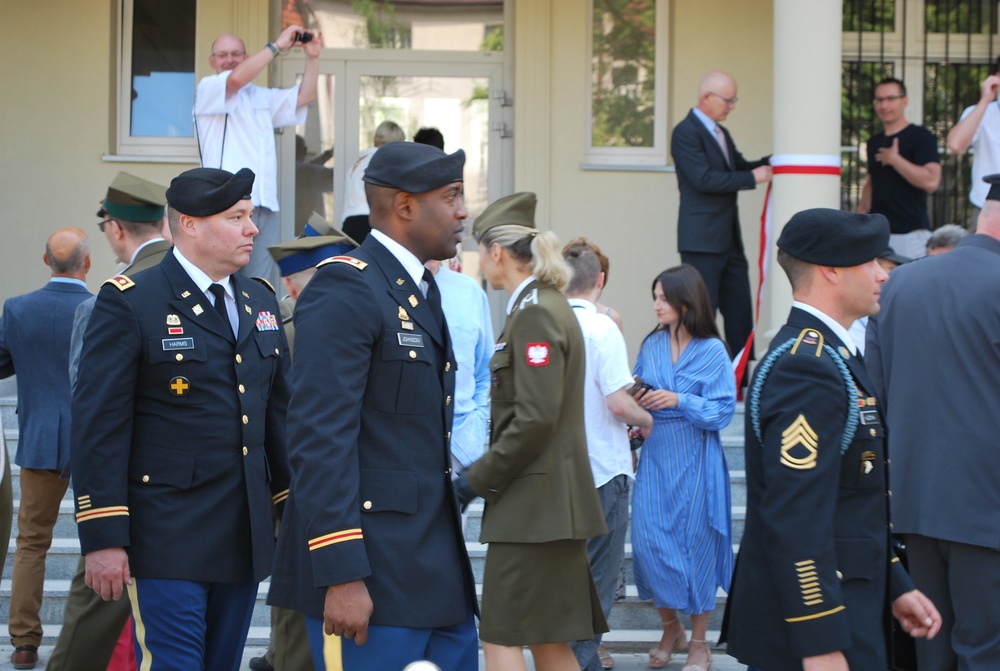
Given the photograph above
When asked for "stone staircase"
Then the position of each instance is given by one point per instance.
(634, 624)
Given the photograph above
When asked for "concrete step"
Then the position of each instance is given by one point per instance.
(629, 613)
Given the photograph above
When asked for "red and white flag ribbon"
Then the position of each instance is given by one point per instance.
(781, 164)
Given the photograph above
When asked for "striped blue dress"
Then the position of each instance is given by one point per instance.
(681, 522)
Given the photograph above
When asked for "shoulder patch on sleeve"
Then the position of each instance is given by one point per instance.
(812, 339)
(266, 284)
(799, 445)
(349, 260)
(121, 282)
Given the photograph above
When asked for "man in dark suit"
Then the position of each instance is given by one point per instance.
(34, 340)
(179, 433)
(815, 566)
(932, 353)
(133, 221)
(371, 544)
(710, 173)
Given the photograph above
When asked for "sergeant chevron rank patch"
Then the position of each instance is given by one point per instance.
(798, 445)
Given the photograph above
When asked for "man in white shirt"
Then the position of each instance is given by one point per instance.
(608, 410)
(235, 121)
(979, 128)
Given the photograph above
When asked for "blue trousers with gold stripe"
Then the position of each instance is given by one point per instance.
(190, 626)
(392, 648)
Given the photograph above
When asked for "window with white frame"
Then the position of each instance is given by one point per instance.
(627, 116)
(156, 79)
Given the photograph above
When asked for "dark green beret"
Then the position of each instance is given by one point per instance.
(414, 168)
(517, 209)
(134, 199)
(202, 192)
(835, 238)
(994, 182)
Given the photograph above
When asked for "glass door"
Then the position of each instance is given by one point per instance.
(459, 93)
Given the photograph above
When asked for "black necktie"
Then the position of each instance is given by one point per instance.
(434, 299)
(220, 303)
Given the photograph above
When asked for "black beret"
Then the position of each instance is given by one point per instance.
(134, 199)
(835, 238)
(202, 192)
(413, 167)
(890, 254)
(994, 182)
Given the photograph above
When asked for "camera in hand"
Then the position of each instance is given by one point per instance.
(303, 37)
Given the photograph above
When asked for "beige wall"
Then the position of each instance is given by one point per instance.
(632, 215)
(58, 114)
(58, 118)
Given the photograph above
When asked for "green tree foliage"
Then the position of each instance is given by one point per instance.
(624, 68)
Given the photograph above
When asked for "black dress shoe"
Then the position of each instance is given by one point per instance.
(24, 657)
(260, 664)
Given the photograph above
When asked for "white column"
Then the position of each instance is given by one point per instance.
(807, 75)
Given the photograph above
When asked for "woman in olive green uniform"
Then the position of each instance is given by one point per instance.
(541, 504)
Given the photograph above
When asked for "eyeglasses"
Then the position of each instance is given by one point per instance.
(729, 101)
(101, 224)
(887, 99)
(224, 54)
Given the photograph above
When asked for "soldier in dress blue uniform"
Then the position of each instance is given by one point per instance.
(179, 433)
(815, 566)
(371, 544)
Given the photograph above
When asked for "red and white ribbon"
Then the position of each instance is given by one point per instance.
(781, 164)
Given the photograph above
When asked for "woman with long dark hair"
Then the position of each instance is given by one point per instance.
(681, 523)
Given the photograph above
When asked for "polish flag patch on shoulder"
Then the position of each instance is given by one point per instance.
(538, 354)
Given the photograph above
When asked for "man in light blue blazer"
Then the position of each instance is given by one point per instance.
(34, 344)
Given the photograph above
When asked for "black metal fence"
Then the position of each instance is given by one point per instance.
(952, 45)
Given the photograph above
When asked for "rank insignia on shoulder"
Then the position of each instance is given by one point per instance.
(265, 283)
(403, 316)
(266, 321)
(349, 260)
(811, 338)
(538, 353)
(799, 445)
(121, 282)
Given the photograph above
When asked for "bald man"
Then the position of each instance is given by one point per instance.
(34, 344)
(710, 173)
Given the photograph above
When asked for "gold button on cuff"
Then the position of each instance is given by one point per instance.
(245, 450)
(277, 351)
(179, 357)
(889, 493)
(840, 576)
(872, 431)
(413, 355)
(447, 471)
(367, 505)
(447, 401)
(145, 478)
(246, 420)
(242, 389)
(239, 358)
